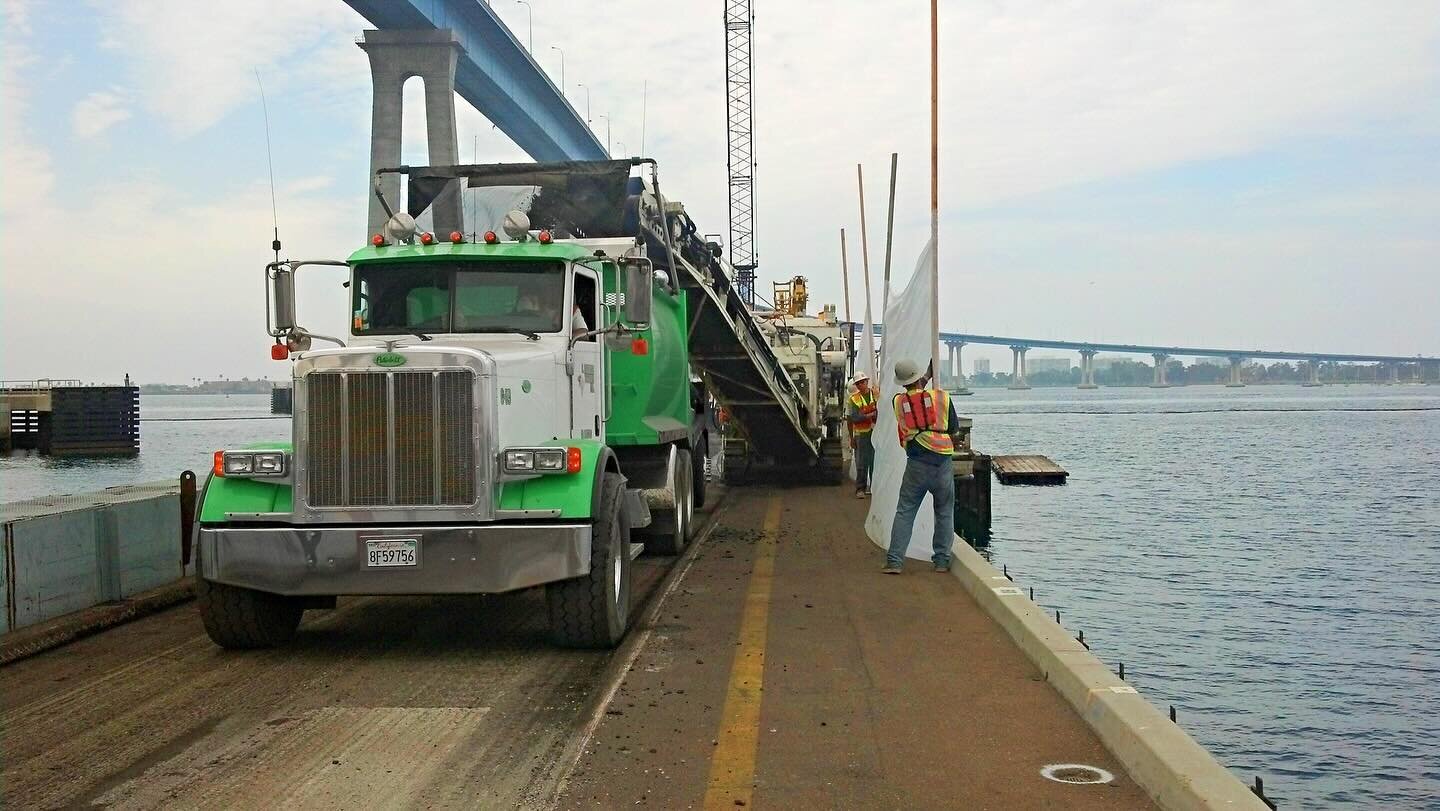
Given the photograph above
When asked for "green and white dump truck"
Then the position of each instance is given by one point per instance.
(508, 407)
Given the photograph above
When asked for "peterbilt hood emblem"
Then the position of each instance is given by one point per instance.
(390, 359)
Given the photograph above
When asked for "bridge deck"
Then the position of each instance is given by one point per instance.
(834, 686)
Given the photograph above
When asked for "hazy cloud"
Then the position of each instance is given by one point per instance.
(193, 63)
(1059, 124)
(98, 112)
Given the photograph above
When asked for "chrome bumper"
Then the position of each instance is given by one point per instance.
(452, 560)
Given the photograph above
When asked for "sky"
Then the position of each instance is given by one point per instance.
(1237, 174)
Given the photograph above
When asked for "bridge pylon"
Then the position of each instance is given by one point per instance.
(1087, 369)
(1017, 369)
(1235, 382)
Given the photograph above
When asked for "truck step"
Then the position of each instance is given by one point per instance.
(636, 549)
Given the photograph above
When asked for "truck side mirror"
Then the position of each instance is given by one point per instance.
(282, 299)
(638, 286)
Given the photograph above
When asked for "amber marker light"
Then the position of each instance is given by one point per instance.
(544, 238)
(377, 240)
(572, 460)
(220, 461)
(457, 237)
(490, 238)
(279, 351)
(427, 238)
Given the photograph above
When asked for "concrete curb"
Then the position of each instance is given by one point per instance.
(1177, 772)
(44, 636)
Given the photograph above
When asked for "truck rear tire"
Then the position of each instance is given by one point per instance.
(697, 475)
(245, 619)
(672, 542)
(594, 611)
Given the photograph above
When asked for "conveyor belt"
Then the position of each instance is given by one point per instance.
(740, 367)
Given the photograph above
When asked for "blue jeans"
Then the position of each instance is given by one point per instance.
(921, 477)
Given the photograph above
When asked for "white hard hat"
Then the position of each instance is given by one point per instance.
(907, 372)
(859, 376)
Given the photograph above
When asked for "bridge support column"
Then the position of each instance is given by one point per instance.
(1235, 381)
(1017, 369)
(1087, 369)
(1394, 373)
(957, 364)
(394, 57)
(1314, 379)
(1160, 382)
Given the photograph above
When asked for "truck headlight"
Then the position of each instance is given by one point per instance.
(541, 460)
(251, 464)
(519, 461)
(270, 463)
(551, 460)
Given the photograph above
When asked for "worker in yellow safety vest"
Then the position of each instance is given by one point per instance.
(927, 424)
(861, 415)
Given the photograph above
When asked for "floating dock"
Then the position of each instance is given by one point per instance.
(1028, 470)
(63, 418)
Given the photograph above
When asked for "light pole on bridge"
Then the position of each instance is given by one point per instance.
(530, 22)
(607, 134)
(587, 100)
(562, 68)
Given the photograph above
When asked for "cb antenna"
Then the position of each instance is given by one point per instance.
(270, 161)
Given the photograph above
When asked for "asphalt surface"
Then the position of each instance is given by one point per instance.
(457, 702)
(780, 669)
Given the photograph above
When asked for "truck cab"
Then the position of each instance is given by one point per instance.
(505, 412)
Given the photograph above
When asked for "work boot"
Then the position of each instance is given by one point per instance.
(890, 569)
(859, 493)
(942, 567)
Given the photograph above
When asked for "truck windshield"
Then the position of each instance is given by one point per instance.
(481, 296)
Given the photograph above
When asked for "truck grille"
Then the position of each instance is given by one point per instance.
(390, 438)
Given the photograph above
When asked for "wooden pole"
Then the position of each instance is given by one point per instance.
(935, 185)
(865, 263)
(845, 280)
(864, 240)
(889, 238)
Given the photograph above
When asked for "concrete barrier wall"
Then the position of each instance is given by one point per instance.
(68, 553)
(1176, 771)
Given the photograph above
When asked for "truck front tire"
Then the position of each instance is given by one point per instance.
(594, 611)
(245, 619)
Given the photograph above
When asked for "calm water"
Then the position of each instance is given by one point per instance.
(1267, 560)
(1268, 563)
(177, 432)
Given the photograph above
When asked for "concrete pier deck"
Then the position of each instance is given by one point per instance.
(787, 672)
(772, 666)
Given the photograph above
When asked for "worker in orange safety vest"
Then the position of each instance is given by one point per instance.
(926, 421)
(861, 415)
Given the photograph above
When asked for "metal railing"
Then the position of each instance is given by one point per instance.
(39, 384)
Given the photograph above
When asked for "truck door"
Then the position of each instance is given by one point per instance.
(587, 384)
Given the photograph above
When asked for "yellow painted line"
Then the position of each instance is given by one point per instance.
(732, 768)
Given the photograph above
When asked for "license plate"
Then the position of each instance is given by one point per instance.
(392, 552)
